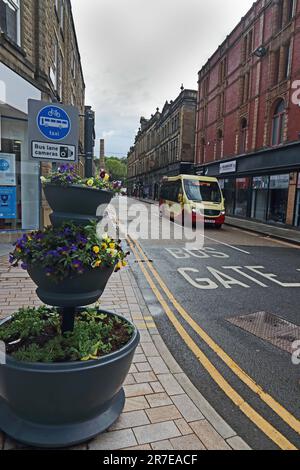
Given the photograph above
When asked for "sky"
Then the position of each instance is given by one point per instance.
(136, 54)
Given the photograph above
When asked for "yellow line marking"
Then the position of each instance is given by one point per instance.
(256, 418)
(284, 414)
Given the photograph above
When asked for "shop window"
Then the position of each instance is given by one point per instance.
(297, 209)
(278, 123)
(10, 19)
(228, 187)
(278, 197)
(260, 191)
(242, 197)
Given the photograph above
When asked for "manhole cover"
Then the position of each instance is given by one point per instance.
(270, 328)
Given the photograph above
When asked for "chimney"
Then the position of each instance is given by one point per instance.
(102, 154)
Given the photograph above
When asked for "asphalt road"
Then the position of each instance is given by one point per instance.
(199, 282)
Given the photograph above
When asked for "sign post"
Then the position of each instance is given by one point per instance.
(53, 131)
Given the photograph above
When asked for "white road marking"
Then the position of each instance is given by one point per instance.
(229, 246)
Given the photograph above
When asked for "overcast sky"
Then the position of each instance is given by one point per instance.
(137, 53)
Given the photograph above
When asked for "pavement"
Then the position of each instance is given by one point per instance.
(164, 410)
(290, 235)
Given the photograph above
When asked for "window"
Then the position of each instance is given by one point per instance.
(243, 135)
(223, 71)
(276, 66)
(280, 15)
(278, 123)
(205, 86)
(290, 10)
(221, 107)
(246, 84)
(287, 57)
(278, 197)
(242, 197)
(248, 45)
(54, 65)
(10, 19)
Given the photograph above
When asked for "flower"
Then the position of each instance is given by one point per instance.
(97, 264)
(90, 182)
(112, 246)
(102, 174)
(96, 250)
(106, 177)
(105, 236)
(43, 179)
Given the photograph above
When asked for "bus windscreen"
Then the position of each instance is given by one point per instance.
(203, 191)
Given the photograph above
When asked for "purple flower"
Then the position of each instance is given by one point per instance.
(24, 266)
(78, 266)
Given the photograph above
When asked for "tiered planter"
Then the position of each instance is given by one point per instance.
(62, 404)
(76, 204)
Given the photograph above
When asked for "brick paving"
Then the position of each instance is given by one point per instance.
(163, 409)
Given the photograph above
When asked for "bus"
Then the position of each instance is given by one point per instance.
(196, 198)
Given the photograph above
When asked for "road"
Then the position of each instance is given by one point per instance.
(192, 294)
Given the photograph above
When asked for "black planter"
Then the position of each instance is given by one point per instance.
(76, 204)
(60, 405)
(76, 291)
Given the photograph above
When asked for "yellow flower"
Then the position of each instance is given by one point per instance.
(124, 263)
(96, 249)
(97, 264)
(106, 177)
(119, 266)
(104, 246)
(112, 246)
(90, 182)
(105, 236)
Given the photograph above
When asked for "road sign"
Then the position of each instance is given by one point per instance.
(53, 131)
(53, 152)
(54, 123)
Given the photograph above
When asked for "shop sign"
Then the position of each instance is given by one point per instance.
(7, 169)
(8, 202)
(228, 167)
(53, 131)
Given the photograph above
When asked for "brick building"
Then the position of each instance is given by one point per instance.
(39, 59)
(248, 119)
(164, 145)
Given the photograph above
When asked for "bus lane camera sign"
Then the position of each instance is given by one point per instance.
(53, 131)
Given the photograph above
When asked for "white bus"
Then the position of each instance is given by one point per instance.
(50, 122)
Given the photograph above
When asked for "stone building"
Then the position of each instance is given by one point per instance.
(39, 59)
(164, 146)
(248, 115)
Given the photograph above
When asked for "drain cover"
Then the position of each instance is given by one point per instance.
(270, 328)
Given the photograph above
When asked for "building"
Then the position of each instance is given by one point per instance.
(248, 115)
(164, 145)
(39, 59)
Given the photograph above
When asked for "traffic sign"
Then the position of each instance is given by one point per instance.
(53, 152)
(54, 123)
(53, 131)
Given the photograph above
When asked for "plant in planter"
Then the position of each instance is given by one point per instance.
(77, 199)
(62, 383)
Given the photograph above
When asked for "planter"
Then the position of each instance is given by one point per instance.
(81, 289)
(60, 405)
(76, 204)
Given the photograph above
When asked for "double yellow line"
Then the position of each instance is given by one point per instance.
(268, 429)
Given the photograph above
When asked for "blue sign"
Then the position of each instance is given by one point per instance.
(4, 165)
(54, 123)
(8, 202)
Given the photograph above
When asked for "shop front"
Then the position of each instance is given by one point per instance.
(19, 174)
(264, 187)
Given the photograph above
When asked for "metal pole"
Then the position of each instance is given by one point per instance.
(89, 141)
